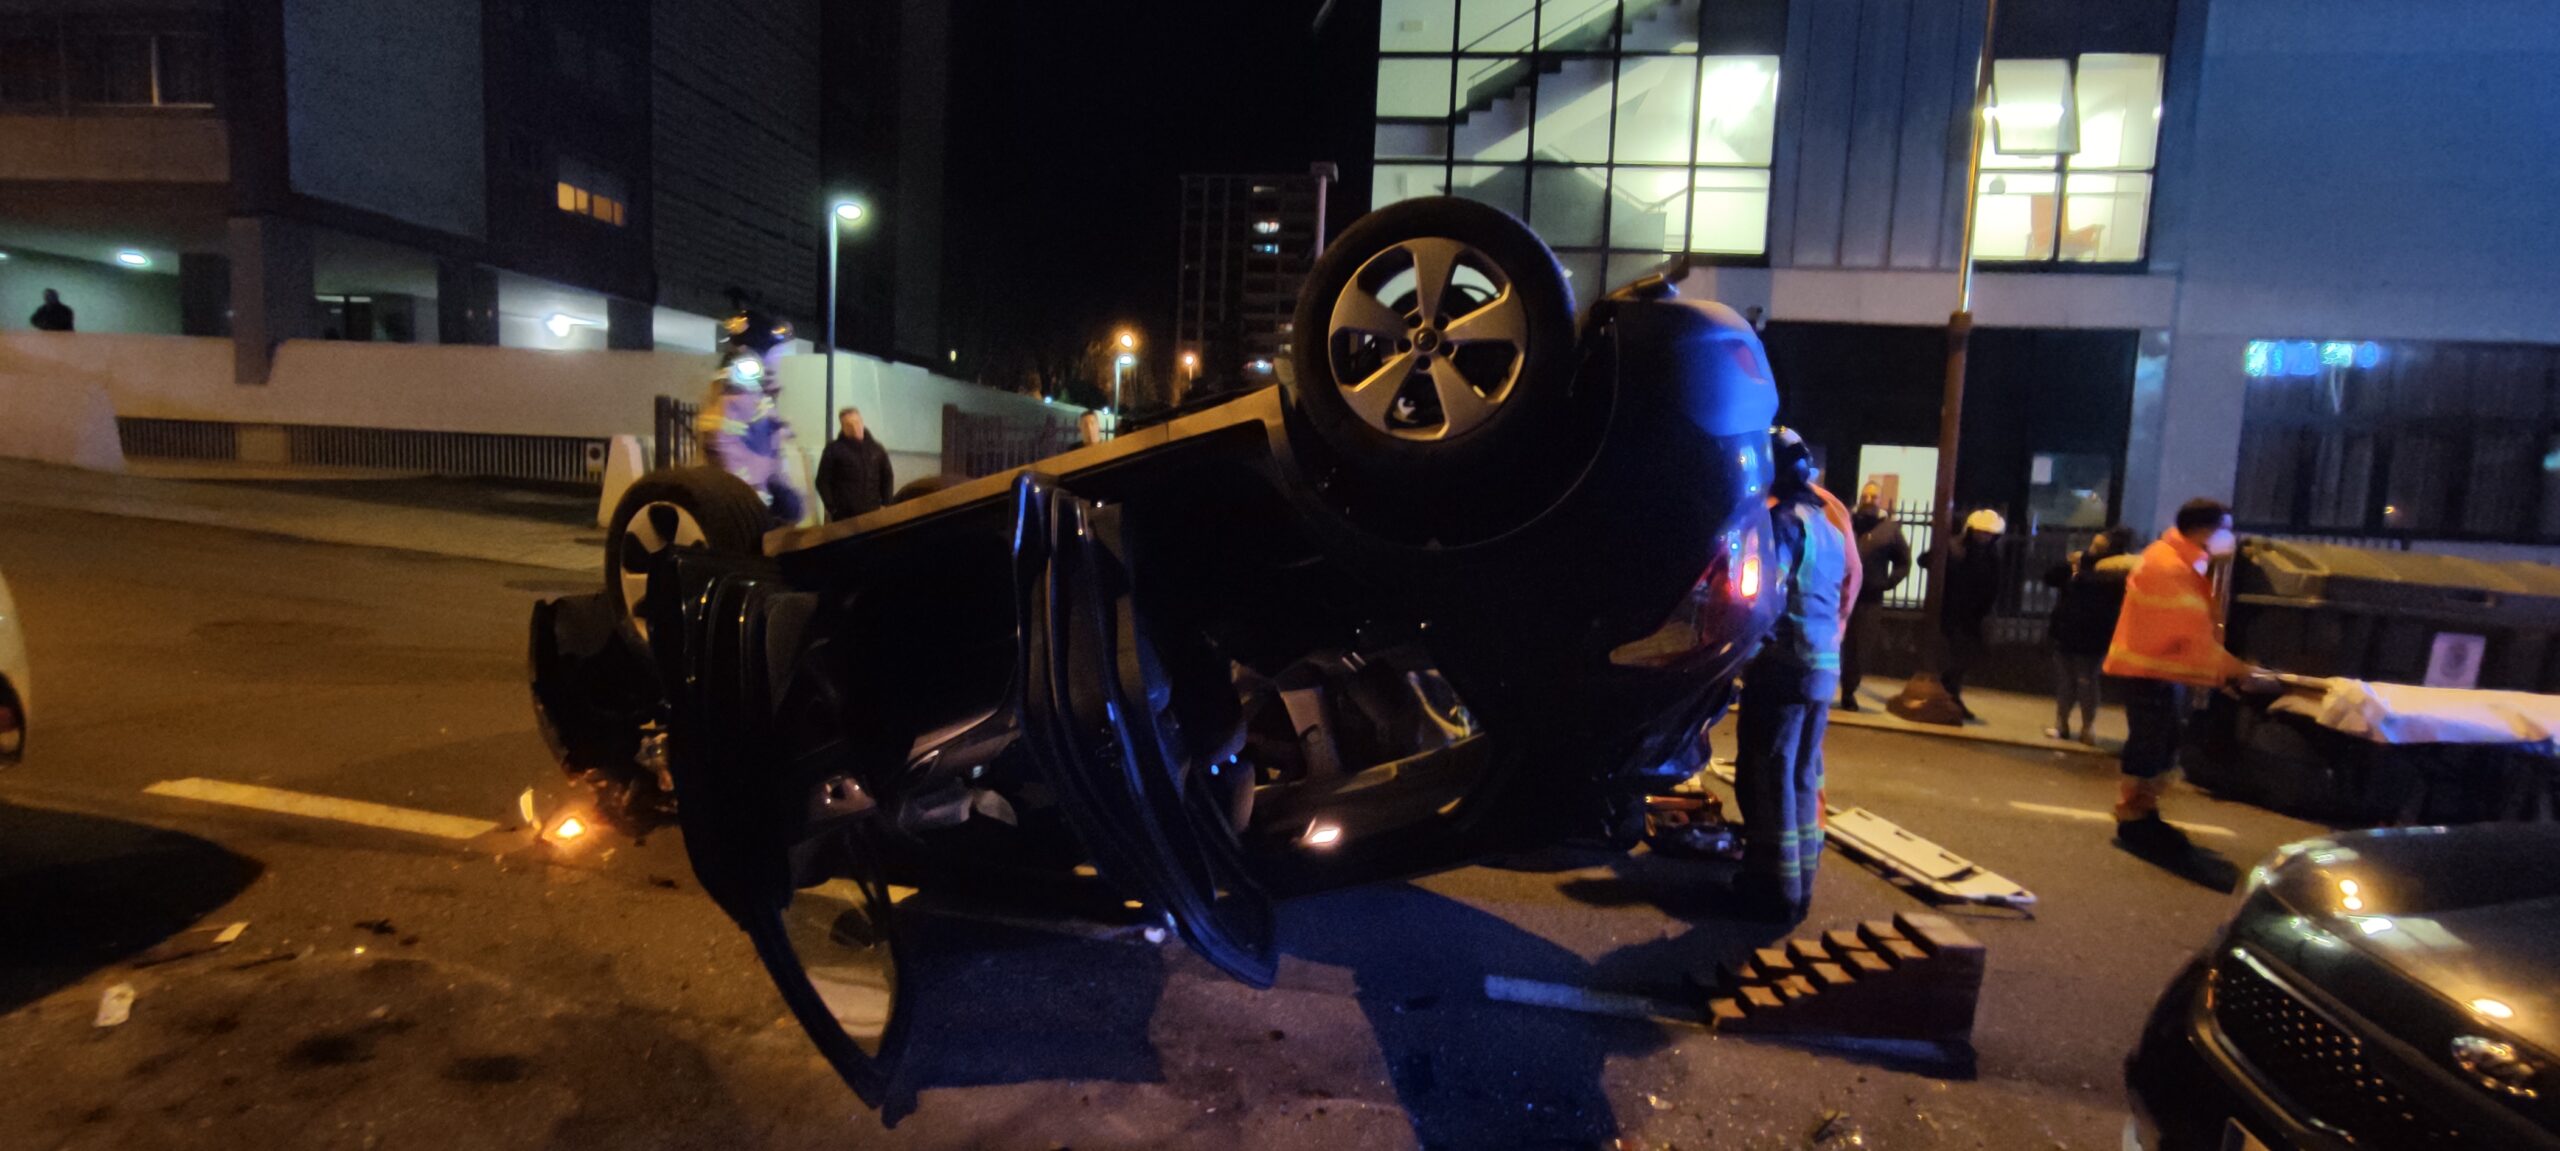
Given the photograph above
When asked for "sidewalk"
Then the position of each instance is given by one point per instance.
(2008, 717)
(539, 538)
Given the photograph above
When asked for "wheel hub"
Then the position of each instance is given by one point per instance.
(1427, 338)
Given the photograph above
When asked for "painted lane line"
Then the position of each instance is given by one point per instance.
(2109, 817)
(356, 811)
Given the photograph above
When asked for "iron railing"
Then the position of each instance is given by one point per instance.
(571, 459)
(978, 445)
(674, 445)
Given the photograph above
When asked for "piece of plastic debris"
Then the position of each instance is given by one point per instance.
(377, 926)
(228, 934)
(115, 1006)
(1155, 934)
(1838, 1132)
(1657, 1102)
(524, 806)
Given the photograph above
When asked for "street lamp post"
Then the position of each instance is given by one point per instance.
(1924, 696)
(1120, 364)
(845, 212)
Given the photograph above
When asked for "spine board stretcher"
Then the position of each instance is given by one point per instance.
(1944, 875)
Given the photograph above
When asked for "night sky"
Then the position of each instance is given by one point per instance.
(1071, 123)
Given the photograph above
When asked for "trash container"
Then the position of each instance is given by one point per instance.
(2394, 617)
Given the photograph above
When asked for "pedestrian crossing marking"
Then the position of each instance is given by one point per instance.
(281, 802)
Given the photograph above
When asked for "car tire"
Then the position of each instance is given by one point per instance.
(1451, 423)
(699, 507)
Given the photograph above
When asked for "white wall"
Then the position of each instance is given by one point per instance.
(516, 391)
(2360, 170)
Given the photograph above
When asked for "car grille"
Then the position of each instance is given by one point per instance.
(2319, 1066)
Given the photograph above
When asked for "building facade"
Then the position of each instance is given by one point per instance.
(1247, 242)
(570, 174)
(2207, 231)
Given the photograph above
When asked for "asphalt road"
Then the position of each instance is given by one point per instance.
(395, 990)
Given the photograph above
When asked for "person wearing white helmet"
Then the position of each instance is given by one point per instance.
(1973, 590)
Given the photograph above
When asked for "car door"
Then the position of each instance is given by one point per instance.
(1098, 708)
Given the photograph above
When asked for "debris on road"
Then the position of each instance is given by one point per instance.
(115, 1006)
(186, 944)
(1838, 1132)
(377, 926)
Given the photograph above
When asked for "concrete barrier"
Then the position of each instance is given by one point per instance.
(59, 422)
(625, 460)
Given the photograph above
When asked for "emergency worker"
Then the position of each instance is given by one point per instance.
(2164, 646)
(1788, 688)
(740, 426)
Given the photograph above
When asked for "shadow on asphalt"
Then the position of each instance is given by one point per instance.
(1007, 1004)
(79, 892)
(2202, 866)
(1469, 1073)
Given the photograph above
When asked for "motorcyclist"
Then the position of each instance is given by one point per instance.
(740, 425)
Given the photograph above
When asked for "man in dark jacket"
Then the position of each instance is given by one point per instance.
(1885, 557)
(1973, 590)
(52, 315)
(854, 477)
(2089, 595)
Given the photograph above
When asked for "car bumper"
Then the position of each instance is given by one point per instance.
(2187, 1090)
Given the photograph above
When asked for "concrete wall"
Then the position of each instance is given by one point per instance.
(2360, 170)
(460, 388)
(103, 297)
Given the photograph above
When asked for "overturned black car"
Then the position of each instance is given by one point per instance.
(1472, 580)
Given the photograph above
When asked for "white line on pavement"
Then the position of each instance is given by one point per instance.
(310, 806)
(2109, 817)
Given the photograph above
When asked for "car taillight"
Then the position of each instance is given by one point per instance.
(1746, 574)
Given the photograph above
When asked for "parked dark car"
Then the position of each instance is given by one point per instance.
(2381, 989)
(1472, 580)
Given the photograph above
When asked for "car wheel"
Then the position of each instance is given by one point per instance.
(702, 508)
(1434, 365)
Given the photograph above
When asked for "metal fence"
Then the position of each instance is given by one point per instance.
(674, 443)
(2025, 557)
(571, 459)
(978, 445)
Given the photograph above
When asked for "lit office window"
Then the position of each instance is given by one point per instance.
(1657, 102)
(1505, 186)
(584, 190)
(1729, 211)
(2066, 164)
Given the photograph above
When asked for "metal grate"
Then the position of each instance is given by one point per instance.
(2314, 1062)
(675, 443)
(573, 459)
(151, 439)
(980, 445)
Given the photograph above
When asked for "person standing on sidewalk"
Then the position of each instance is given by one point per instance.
(1973, 589)
(52, 315)
(2164, 645)
(1787, 691)
(2089, 594)
(1884, 560)
(854, 475)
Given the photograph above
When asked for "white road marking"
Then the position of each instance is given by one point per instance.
(1566, 997)
(2109, 817)
(356, 811)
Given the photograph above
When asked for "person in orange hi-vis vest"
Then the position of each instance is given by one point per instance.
(2166, 644)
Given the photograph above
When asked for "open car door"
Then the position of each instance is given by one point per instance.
(1102, 714)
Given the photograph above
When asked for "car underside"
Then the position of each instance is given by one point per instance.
(1474, 580)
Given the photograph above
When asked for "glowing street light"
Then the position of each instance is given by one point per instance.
(1128, 339)
(848, 212)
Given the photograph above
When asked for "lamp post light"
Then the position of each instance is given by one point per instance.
(1120, 365)
(846, 212)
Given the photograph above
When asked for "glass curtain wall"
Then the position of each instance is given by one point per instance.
(2067, 163)
(1622, 130)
